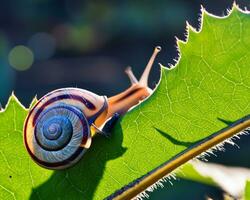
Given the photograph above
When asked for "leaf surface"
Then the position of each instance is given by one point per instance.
(207, 90)
(247, 190)
(232, 180)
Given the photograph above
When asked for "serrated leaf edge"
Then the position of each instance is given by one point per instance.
(12, 97)
(189, 28)
(137, 191)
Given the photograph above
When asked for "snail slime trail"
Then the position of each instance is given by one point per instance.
(59, 128)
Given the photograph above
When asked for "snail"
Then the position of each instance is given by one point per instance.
(60, 126)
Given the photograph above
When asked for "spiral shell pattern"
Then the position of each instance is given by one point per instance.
(56, 130)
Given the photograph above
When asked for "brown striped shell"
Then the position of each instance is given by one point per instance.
(57, 129)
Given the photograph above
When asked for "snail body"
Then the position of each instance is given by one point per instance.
(60, 126)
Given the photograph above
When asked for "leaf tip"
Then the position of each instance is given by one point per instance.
(33, 102)
(236, 7)
(12, 99)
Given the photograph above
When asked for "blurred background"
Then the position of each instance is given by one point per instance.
(50, 44)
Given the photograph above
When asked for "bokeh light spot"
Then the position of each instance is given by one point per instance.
(43, 45)
(21, 58)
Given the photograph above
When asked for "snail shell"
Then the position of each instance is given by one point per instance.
(57, 129)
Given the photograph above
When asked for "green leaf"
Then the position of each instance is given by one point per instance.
(18, 174)
(247, 190)
(188, 171)
(232, 180)
(208, 89)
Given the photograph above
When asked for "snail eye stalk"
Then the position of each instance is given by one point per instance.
(144, 78)
(138, 91)
(131, 75)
